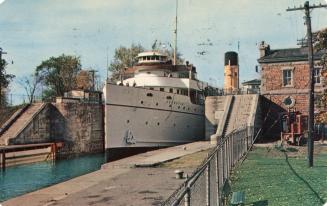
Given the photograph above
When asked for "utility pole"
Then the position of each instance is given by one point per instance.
(307, 9)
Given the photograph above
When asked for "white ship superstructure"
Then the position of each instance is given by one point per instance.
(158, 105)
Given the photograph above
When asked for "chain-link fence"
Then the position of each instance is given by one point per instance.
(209, 184)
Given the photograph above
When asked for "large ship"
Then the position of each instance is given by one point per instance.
(159, 104)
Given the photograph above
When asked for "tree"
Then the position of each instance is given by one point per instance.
(30, 84)
(321, 40)
(321, 45)
(58, 74)
(124, 57)
(84, 80)
(5, 79)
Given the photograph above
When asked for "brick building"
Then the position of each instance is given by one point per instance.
(285, 76)
(284, 82)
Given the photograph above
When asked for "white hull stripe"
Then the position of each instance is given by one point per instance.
(167, 110)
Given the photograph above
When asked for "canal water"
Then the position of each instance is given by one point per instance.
(18, 180)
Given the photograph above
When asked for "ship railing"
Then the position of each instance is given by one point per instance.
(240, 91)
(208, 185)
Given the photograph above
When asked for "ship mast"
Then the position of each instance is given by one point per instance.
(175, 36)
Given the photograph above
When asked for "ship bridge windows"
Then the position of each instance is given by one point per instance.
(152, 58)
(184, 92)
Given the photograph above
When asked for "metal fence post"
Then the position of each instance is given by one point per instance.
(247, 138)
(232, 149)
(217, 178)
(187, 197)
(226, 159)
(230, 153)
(208, 184)
(223, 160)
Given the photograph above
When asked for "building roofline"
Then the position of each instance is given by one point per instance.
(270, 58)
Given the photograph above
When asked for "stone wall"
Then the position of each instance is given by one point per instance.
(37, 130)
(79, 126)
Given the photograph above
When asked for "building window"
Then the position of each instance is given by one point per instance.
(171, 90)
(316, 75)
(287, 77)
(162, 89)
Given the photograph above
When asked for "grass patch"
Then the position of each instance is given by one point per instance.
(187, 161)
(274, 176)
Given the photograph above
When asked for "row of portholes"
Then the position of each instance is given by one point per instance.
(157, 104)
(188, 109)
(158, 123)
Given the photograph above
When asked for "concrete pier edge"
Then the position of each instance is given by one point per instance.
(134, 179)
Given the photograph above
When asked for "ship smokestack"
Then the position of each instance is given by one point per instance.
(231, 72)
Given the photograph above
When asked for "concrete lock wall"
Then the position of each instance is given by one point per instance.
(215, 113)
(78, 125)
(36, 131)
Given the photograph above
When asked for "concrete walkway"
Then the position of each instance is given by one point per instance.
(119, 182)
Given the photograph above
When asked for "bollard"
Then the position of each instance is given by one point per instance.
(179, 174)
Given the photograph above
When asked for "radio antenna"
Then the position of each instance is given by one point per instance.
(175, 35)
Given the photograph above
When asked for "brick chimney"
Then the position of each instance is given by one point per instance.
(264, 49)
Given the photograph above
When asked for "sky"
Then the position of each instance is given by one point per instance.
(34, 30)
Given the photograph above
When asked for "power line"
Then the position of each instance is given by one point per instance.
(306, 7)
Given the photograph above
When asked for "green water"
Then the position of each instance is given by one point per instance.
(22, 179)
